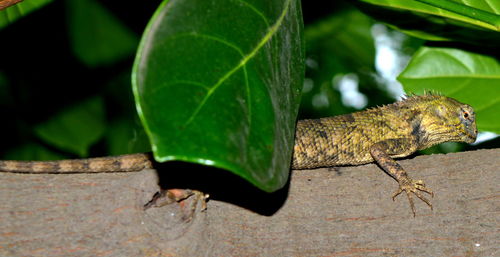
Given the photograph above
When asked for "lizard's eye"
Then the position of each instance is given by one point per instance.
(465, 114)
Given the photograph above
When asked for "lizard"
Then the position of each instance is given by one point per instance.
(383, 133)
(378, 135)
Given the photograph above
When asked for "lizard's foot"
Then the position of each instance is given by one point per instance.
(165, 197)
(410, 186)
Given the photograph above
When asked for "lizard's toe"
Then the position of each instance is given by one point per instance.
(410, 187)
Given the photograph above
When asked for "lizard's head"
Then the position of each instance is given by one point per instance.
(445, 119)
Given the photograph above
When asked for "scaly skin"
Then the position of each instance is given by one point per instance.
(379, 134)
(383, 133)
(119, 163)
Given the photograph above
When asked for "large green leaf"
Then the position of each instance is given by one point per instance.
(217, 82)
(466, 76)
(473, 21)
(14, 12)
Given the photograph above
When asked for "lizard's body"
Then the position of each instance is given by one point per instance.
(377, 134)
(409, 125)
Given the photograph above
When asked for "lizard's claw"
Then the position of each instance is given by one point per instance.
(410, 186)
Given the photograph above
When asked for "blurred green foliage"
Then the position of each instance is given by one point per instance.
(19, 10)
(340, 44)
(440, 20)
(65, 88)
(100, 40)
(75, 128)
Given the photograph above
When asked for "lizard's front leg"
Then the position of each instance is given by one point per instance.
(380, 153)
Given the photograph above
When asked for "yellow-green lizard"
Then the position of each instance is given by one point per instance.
(383, 133)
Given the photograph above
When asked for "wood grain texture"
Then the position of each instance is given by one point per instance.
(344, 211)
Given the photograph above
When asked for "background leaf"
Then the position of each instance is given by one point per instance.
(469, 77)
(441, 20)
(14, 12)
(123, 138)
(42, 77)
(96, 36)
(218, 83)
(76, 128)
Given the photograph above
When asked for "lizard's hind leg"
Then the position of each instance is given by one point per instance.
(169, 196)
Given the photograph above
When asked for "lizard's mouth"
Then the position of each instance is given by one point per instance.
(471, 135)
(470, 139)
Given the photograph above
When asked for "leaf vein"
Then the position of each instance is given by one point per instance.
(272, 30)
(256, 11)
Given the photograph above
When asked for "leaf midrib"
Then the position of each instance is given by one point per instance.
(272, 30)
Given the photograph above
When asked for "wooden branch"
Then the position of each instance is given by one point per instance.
(345, 211)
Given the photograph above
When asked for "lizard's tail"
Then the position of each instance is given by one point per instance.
(120, 163)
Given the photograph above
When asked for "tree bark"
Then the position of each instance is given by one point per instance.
(343, 211)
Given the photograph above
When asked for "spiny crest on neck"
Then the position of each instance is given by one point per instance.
(429, 94)
(414, 99)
